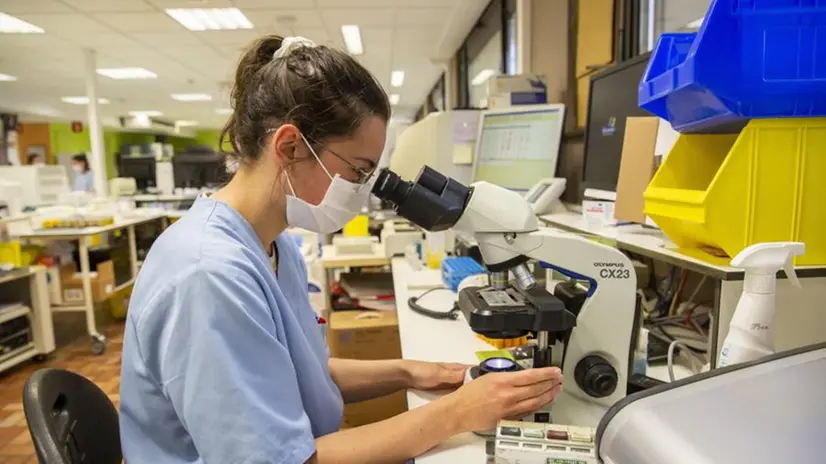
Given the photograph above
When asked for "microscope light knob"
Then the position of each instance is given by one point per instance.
(596, 376)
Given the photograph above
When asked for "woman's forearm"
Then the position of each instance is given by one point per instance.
(394, 440)
(363, 380)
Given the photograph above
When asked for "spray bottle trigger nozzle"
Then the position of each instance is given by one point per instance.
(788, 268)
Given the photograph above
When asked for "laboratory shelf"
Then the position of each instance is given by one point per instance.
(750, 59)
(724, 192)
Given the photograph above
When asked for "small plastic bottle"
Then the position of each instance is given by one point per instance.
(641, 353)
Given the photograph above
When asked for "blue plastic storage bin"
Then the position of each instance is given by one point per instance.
(455, 270)
(750, 59)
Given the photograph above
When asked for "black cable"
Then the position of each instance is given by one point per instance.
(672, 338)
(451, 314)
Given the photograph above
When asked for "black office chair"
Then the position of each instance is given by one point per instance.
(70, 419)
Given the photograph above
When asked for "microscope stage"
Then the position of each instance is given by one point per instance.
(511, 313)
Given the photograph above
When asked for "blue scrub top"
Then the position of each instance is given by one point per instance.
(84, 182)
(223, 361)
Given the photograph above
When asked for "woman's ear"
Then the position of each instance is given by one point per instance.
(285, 146)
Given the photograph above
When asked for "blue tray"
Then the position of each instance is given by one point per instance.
(456, 269)
(750, 59)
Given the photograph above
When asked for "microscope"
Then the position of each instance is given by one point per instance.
(592, 329)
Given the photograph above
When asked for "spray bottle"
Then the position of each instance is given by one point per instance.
(750, 334)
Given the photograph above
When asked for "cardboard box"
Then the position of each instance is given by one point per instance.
(524, 89)
(367, 335)
(646, 141)
(103, 283)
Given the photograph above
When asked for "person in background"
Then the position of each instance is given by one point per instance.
(35, 159)
(224, 359)
(84, 178)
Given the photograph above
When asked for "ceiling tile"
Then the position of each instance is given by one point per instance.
(335, 18)
(109, 6)
(279, 19)
(139, 22)
(64, 23)
(384, 3)
(102, 40)
(167, 39)
(15, 7)
(421, 16)
(239, 38)
(274, 4)
(190, 3)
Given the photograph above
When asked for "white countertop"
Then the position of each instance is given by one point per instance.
(162, 198)
(67, 234)
(427, 339)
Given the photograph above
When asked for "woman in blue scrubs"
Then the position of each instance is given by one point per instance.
(223, 358)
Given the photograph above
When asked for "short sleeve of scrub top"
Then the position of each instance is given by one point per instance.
(223, 361)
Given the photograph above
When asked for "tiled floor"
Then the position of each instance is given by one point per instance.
(15, 443)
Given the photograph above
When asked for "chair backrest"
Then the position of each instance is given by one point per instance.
(71, 420)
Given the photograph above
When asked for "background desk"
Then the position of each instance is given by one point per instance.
(28, 286)
(799, 320)
(82, 237)
(426, 339)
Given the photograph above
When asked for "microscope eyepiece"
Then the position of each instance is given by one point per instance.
(390, 187)
(433, 201)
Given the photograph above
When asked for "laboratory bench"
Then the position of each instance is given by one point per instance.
(436, 340)
(83, 237)
(799, 320)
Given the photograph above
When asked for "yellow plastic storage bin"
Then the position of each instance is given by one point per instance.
(728, 191)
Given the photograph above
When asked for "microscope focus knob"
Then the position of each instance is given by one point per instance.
(596, 376)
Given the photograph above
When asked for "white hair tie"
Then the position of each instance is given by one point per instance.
(290, 44)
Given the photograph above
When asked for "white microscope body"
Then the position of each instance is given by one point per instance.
(505, 228)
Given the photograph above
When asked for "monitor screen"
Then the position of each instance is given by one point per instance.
(140, 168)
(518, 147)
(613, 98)
(199, 170)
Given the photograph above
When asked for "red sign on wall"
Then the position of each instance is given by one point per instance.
(77, 127)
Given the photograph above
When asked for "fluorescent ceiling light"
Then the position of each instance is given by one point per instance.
(397, 78)
(191, 97)
(186, 123)
(483, 76)
(83, 100)
(394, 99)
(148, 113)
(352, 39)
(11, 25)
(224, 110)
(210, 19)
(127, 73)
(6, 77)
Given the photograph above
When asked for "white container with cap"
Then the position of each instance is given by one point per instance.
(750, 332)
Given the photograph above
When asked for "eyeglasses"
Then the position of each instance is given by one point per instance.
(363, 174)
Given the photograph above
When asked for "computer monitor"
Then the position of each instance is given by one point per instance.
(518, 146)
(612, 99)
(199, 170)
(141, 168)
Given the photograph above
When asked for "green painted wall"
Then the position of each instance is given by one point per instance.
(63, 140)
(208, 137)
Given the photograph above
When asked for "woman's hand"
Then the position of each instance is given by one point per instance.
(480, 404)
(434, 376)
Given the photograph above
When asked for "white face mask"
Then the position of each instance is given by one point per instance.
(342, 202)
